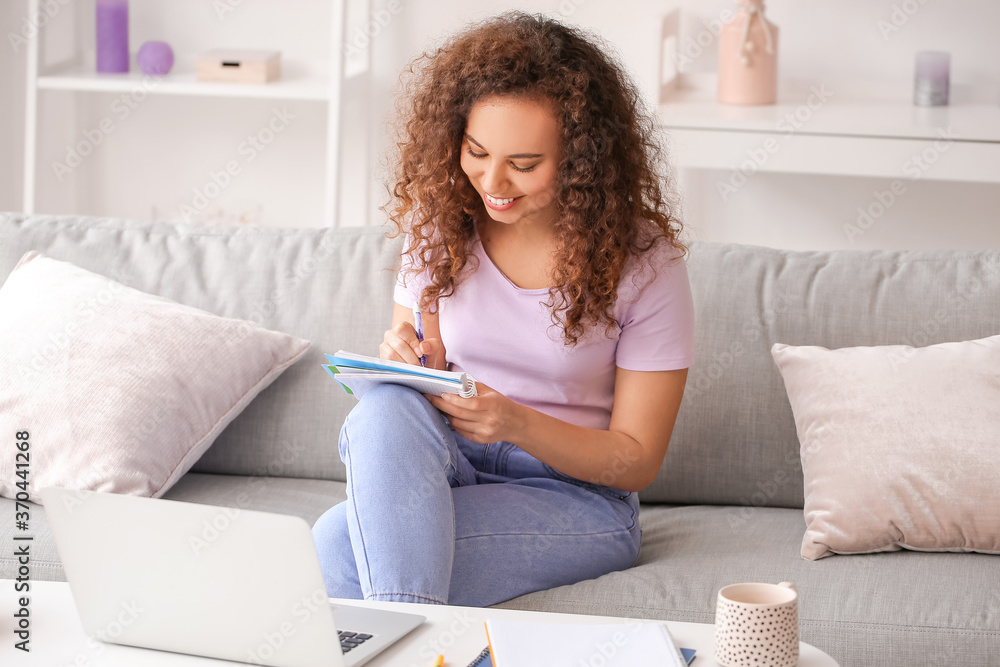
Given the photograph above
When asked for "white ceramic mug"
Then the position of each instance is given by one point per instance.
(757, 624)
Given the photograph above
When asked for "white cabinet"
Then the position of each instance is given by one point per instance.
(318, 80)
(856, 128)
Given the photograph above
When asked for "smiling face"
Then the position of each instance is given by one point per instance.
(511, 153)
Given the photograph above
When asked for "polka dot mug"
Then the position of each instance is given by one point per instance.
(757, 624)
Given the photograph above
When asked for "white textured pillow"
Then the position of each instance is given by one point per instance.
(118, 390)
(900, 446)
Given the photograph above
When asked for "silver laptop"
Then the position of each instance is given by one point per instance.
(210, 581)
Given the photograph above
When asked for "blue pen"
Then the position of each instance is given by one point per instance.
(419, 321)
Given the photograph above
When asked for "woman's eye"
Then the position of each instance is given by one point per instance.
(480, 156)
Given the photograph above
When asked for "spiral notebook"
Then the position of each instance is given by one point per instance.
(527, 643)
(358, 373)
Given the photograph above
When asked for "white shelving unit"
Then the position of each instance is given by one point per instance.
(858, 128)
(305, 81)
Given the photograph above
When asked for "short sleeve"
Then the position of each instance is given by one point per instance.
(657, 325)
(409, 286)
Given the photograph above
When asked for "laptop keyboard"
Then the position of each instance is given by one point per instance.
(349, 640)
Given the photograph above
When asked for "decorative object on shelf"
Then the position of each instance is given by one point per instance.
(748, 57)
(112, 36)
(239, 66)
(931, 79)
(155, 58)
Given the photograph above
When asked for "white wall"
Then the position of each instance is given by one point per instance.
(12, 76)
(171, 145)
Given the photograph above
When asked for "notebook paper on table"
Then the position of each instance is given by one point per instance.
(358, 373)
(484, 659)
(527, 644)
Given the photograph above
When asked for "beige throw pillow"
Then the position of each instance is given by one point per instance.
(114, 389)
(900, 446)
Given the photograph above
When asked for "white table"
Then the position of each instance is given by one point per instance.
(58, 640)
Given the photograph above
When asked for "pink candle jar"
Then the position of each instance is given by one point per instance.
(748, 57)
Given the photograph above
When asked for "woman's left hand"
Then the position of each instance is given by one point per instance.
(488, 417)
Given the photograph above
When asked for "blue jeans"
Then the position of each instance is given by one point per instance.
(433, 517)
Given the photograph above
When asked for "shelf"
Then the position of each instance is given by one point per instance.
(867, 129)
(299, 81)
(310, 78)
(863, 111)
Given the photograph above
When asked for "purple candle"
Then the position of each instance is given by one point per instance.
(930, 82)
(112, 36)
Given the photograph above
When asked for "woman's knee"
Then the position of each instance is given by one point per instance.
(330, 529)
(385, 414)
(336, 556)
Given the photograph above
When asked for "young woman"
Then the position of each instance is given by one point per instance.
(547, 264)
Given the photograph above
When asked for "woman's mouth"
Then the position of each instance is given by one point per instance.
(500, 204)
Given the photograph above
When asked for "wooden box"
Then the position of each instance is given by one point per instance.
(239, 66)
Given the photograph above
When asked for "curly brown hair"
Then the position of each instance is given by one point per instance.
(611, 178)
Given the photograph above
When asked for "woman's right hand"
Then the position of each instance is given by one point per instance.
(400, 343)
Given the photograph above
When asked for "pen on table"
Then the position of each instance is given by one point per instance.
(419, 322)
(439, 662)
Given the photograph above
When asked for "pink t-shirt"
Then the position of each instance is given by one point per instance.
(504, 336)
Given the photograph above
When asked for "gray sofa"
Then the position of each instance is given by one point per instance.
(727, 505)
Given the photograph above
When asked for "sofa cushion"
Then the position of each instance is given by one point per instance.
(114, 389)
(863, 610)
(332, 287)
(734, 442)
(307, 498)
(899, 445)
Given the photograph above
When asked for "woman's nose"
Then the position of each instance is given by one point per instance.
(494, 179)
